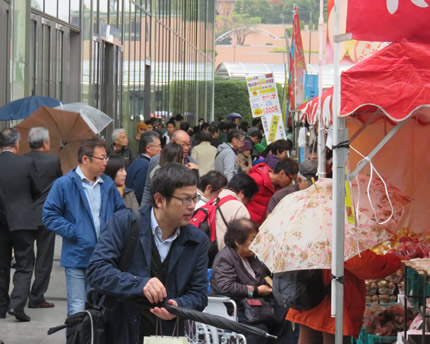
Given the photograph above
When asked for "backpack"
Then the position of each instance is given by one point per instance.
(300, 289)
(204, 218)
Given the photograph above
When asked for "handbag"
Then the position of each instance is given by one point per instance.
(161, 339)
(260, 310)
(88, 326)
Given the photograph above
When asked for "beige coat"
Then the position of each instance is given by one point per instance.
(231, 210)
(204, 154)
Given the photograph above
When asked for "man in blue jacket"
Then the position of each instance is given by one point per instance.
(77, 208)
(169, 262)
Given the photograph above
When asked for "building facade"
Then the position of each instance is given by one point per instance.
(131, 59)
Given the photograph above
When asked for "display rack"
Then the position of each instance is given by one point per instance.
(417, 289)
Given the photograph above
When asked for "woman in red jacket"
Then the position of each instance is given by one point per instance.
(317, 326)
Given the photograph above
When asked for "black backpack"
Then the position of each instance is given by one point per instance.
(300, 289)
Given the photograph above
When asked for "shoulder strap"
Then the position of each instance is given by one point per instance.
(219, 202)
(130, 245)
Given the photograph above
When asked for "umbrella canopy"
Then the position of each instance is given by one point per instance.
(24, 107)
(66, 131)
(232, 116)
(297, 235)
(96, 119)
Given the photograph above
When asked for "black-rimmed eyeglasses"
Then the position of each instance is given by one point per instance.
(187, 201)
(102, 158)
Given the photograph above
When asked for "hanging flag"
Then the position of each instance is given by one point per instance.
(296, 85)
(389, 20)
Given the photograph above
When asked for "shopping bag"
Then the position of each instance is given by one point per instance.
(161, 339)
(165, 340)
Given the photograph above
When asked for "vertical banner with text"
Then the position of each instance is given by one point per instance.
(263, 97)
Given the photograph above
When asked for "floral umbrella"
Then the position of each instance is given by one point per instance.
(297, 235)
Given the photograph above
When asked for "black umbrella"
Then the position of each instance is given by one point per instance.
(217, 321)
(205, 318)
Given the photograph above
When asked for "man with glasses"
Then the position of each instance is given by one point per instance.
(77, 208)
(268, 182)
(149, 146)
(181, 138)
(169, 261)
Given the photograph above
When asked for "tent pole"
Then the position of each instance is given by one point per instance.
(340, 154)
(321, 134)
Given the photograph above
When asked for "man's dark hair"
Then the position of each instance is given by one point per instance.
(146, 139)
(37, 136)
(9, 137)
(179, 117)
(204, 126)
(214, 178)
(256, 133)
(278, 146)
(184, 126)
(244, 126)
(205, 136)
(88, 145)
(148, 122)
(255, 122)
(289, 166)
(170, 177)
(234, 134)
(213, 129)
(114, 164)
(171, 121)
(243, 182)
(238, 231)
(222, 126)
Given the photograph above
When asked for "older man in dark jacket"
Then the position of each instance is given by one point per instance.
(169, 262)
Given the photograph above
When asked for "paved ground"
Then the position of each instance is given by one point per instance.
(34, 332)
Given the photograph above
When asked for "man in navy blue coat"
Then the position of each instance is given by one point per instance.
(149, 146)
(169, 262)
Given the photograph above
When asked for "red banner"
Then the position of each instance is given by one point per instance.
(389, 20)
(297, 71)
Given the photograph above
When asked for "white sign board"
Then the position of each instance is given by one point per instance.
(264, 101)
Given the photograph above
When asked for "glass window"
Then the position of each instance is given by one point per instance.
(75, 15)
(63, 10)
(51, 7)
(37, 4)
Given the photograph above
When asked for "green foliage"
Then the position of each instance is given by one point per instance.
(232, 96)
(280, 12)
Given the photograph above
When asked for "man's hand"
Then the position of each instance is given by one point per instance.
(162, 312)
(154, 290)
(264, 290)
(192, 166)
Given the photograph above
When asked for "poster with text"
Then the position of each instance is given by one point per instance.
(264, 101)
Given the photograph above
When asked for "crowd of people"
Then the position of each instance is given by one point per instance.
(166, 172)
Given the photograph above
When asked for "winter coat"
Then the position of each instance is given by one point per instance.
(204, 154)
(357, 269)
(67, 213)
(186, 277)
(136, 175)
(225, 161)
(231, 210)
(229, 276)
(258, 206)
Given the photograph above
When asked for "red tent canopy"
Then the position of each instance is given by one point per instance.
(395, 80)
(392, 86)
